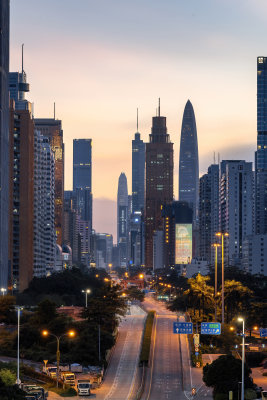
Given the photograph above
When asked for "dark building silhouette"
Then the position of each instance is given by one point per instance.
(159, 181)
(82, 178)
(261, 153)
(178, 217)
(122, 220)
(21, 197)
(52, 128)
(4, 135)
(188, 163)
(138, 172)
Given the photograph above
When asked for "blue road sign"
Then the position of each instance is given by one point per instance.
(210, 328)
(183, 327)
(263, 332)
(196, 353)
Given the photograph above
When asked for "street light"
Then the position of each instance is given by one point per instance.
(222, 235)
(240, 319)
(216, 245)
(3, 290)
(87, 291)
(70, 334)
(18, 308)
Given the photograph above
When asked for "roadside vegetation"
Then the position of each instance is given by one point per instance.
(106, 306)
(147, 336)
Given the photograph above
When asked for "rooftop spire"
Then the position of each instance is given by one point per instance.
(159, 106)
(54, 110)
(22, 57)
(137, 120)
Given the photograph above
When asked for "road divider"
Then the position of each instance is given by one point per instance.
(146, 342)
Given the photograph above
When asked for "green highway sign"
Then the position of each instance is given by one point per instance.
(210, 328)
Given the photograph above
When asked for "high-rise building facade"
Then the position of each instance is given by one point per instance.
(138, 172)
(236, 206)
(21, 197)
(52, 128)
(208, 212)
(261, 153)
(122, 220)
(159, 181)
(188, 162)
(44, 207)
(4, 139)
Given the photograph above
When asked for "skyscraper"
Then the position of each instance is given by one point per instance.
(138, 172)
(21, 197)
(188, 162)
(122, 219)
(159, 181)
(4, 138)
(82, 178)
(52, 128)
(261, 153)
(18, 86)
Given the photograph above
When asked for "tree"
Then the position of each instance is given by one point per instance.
(237, 298)
(7, 311)
(11, 392)
(134, 293)
(8, 377)
(224, 374)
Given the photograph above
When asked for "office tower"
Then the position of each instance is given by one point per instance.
(21, 197)
(44, 207)
(178, 240)
(138, 172)
(71, 236)
(52, 128)
(135, 239)
(85, 237)
(208, 212)
(261, 153)
(18, 86)
(254, 257)
(188, 162)
(159, 181)
(4, 137)
(236, 206)
(104, 245)
(122, 219)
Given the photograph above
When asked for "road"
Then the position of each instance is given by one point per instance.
(120, 377)
(170, 376)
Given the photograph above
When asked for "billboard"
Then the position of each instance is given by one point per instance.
(183, 243)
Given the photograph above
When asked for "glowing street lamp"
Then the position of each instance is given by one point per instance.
(71, 334)
(3, 290)
(241, 319)
(86, 291)
(216, 245)
(222, 235)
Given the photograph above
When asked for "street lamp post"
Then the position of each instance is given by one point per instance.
(223, 235)
(216, 245)
(70, 334)
(18, 308)
(240, 319)
(87, 291)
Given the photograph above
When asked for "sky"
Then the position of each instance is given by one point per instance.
(100, 59)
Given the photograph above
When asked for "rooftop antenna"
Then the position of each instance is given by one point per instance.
(214, 158)
(137, 120)
(219, 158)
(22, 56)
(54, 110)
(159, 106)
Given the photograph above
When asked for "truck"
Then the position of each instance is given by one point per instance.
(35, 390)
(52, 372)
(68, 378)
(84, 387)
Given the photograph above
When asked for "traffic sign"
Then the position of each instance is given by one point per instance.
(183, 327)
(196, 353)
(210, 328)
(263, 332)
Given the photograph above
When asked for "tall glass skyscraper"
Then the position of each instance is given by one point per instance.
(188, 164)
(261, 153)
(4, 135)
(138, 172)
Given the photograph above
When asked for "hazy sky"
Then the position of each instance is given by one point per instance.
(100, 60)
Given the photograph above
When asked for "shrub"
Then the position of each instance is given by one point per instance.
(8, 377)
(145, 349)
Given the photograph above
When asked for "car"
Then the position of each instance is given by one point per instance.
(264, 394)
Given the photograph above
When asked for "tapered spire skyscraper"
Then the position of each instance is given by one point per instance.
(188, 164)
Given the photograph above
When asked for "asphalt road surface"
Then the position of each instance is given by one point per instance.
(120, 377)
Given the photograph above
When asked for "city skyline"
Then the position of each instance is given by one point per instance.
(103, 83)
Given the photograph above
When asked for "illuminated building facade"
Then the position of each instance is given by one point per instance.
(159, 181)
(122, 220)
(4, 138)
(138, 173)
(52, 128)
(178, 219)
